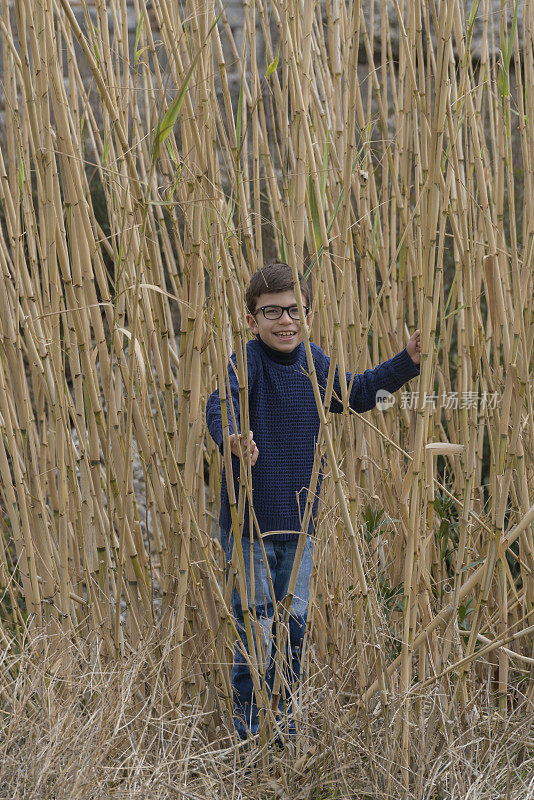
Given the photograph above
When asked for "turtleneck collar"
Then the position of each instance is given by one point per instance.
(279, 357)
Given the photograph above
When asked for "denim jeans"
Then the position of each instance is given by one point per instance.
(280, 557)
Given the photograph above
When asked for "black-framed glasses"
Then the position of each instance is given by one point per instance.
(275, 312)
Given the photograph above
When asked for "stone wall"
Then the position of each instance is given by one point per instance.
(488, 13)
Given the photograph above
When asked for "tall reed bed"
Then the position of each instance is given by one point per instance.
(138, 192)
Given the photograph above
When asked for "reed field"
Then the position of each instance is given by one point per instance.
(143, 178)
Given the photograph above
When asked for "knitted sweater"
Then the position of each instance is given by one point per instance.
(285, 423)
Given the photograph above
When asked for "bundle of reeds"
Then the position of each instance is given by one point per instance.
(137, 195)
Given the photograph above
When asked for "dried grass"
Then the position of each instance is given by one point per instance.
(107, 735)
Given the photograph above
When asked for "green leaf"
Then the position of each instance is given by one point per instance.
(164, 129)
(283, 254)
(472, 564)
(171, 115)
(511, 38)
(229, 216)
(94, 41)
(444, 529)
(455, 311)
(137, 37)
(471, 21)
(314, 211)
(503, 79)
(105, 154)
(502, 83)
(324, 168)
(373, 518)
(239, 118)
(333, 217)
(463, 613)
(449, 298)
(171, 150)
(273, 66)
(172, 188)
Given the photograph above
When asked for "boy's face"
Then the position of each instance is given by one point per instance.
(283, 334)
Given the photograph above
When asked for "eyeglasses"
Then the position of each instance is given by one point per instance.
(275, 312)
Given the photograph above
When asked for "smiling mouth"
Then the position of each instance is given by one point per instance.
(285, 334)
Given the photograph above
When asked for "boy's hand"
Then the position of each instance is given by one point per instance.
(249, 448)
(414, 347)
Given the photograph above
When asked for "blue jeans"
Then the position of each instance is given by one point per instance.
(280, 557)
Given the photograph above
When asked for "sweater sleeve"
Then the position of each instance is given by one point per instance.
(213, 406)
(390, 375)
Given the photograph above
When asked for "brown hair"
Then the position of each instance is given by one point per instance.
(273, 278)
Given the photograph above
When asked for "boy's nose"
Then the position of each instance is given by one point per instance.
(285, 313)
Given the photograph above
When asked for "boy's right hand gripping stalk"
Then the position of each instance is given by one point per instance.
(249, 448)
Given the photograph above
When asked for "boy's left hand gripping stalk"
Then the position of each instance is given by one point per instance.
(249, 447)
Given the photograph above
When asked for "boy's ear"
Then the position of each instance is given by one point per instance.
(252, 324)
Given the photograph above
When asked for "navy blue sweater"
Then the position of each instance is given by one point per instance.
(285, 423)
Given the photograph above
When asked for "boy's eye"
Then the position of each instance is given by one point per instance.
(272, 312)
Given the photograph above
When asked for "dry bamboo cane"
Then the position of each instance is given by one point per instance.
(469, 585)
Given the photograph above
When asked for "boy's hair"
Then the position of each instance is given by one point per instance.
(274, 278)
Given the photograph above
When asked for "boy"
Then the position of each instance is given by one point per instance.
(284, 430)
